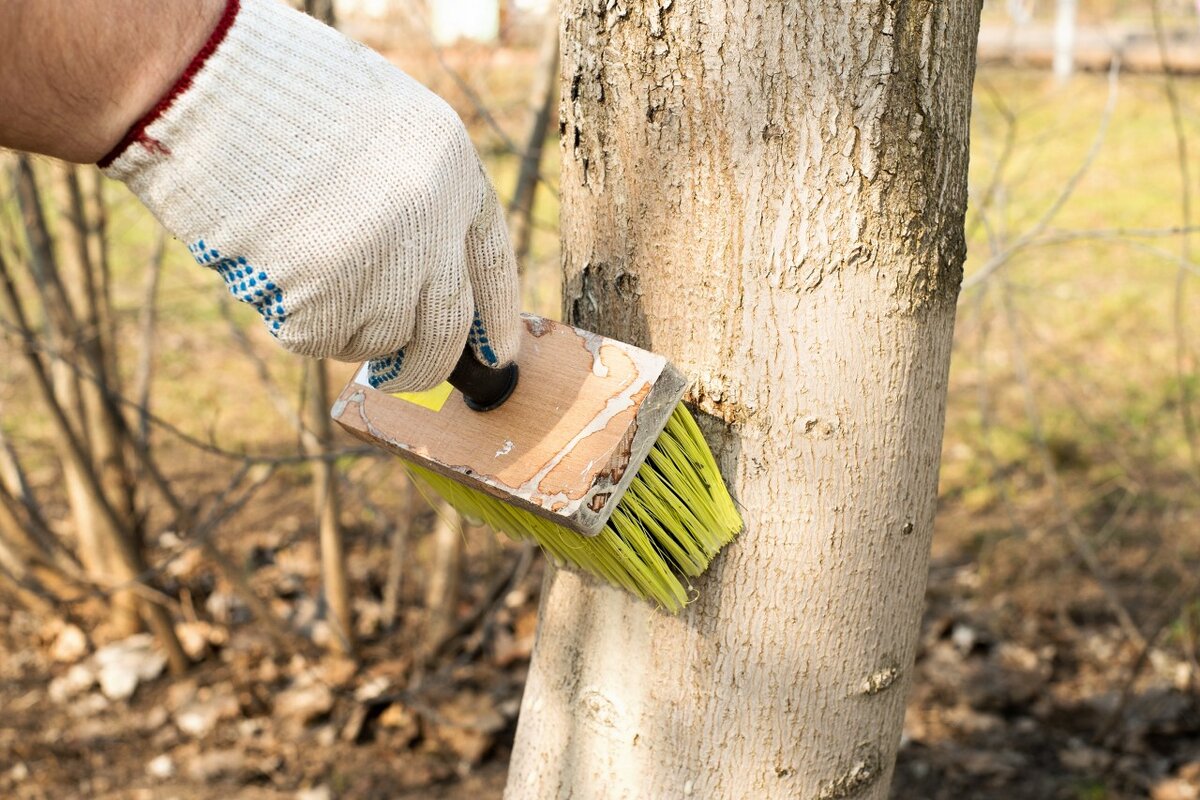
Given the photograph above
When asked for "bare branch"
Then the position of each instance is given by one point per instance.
(397, 550)
(463, 85)
(998, 260)
(128, 559)
(38, 346)
(1179, 322)
(520, 208)
(147, 319)
(1066, 519)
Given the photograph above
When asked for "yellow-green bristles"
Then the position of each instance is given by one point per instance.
(675, 516)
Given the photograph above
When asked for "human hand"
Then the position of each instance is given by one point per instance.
(334, 194)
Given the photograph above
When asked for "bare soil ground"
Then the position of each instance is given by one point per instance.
(1025, 687)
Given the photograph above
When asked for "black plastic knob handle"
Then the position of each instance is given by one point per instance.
(483, 388)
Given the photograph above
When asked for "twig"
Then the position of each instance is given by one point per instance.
(1000, 259)
(1066, 518)
(477, 103)
(28, 592)
(996, 184)
(398, 545)
(497, 591)
(199, 444)
(520, 208)
(986, 425)
(283, 406)
(147, 319)
(1185, 201)
(14, 490)
(1171, 610)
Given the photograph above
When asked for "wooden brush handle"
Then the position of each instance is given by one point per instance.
(483, 388)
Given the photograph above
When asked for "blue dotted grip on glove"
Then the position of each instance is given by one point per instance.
(253, 286)
(246, 283)
(478, 339)
(382, 370)
(483, 387)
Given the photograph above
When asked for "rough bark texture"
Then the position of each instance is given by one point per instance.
(772, 195)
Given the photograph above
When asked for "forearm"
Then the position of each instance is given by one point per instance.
(75, 75)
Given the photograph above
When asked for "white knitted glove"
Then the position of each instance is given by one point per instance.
(333, 193)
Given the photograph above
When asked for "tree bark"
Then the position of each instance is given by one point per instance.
(772, 195)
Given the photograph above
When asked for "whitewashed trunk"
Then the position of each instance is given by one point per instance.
(772, 195)
(1064, 39)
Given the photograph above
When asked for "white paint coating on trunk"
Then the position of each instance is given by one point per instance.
(771, 195)
(1064, 39)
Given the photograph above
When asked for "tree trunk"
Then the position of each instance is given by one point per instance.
(520, 208)
(322, 10)
(1064, 40)
(441, 589)
(334, 581)
(126, 561)
(772, 195)
(397, 558)
(85, 287)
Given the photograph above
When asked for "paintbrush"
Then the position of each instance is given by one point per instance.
(583, 446)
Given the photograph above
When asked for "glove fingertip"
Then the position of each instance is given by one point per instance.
(481, 343)
(494, 345)
(381, 372)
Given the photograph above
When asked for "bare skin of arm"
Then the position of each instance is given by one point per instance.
(75, 75)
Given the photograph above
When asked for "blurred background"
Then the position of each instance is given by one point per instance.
(205, 592)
